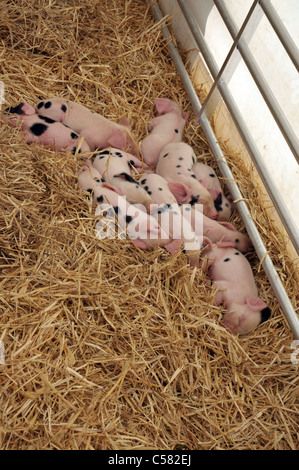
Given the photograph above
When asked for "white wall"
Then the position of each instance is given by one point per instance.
(277, 68)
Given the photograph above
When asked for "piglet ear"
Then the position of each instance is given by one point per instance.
(186, 117)
(226, 244)
(140, 243)
(231, 201)
(181, 192)
(163, 105)
(214, 193)
(28, 109)
(255, 304)
(112, 188)
(118, 140)
(207, 243)
(228, 226)
(124, 122)
(173, 246)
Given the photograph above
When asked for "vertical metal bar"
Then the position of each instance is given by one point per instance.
(276, 111)
(249, 142)
(250, 226)
(281, 31)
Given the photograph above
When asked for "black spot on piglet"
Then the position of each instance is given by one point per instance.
(63, 108)
(40, 105)
(48, 104)
(38, 128)
(226, 259)
(265, 314)
(15, 110)
(218, 203)
(193, 201)
(46, 119)
(127, 177)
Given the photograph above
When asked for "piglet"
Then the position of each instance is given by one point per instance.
(168, 213)
(141, 228)
(217, 231)
(231, 274)
(208, 178)
(175, 164)
(98, 131)
(162, 191)
(44, 130)
(166, 127)
(114, 166)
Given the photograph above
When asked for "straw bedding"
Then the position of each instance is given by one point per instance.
(108, 346)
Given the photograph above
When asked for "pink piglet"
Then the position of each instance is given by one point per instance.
(44, 130)
(166, 127)
(232, 275)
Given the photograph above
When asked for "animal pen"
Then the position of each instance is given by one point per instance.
(103, 345)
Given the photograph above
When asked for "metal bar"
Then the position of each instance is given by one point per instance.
(281, 31)
(273, 105)
(250, 226)
(247, 138)
(228, 57)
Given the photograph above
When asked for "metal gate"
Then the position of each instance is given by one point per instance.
(275, 109)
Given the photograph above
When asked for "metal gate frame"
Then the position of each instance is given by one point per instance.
(284, 126)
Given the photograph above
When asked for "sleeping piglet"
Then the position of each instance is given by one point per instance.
(114, 166)
(162, 191)
(142, 229)
(44, 130)
(175, 164)
(98, 131)
(166, 127)
(218, 231)
(168, 213)
(208, 178)
(231, 274)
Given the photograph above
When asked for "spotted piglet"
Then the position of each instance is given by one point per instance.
(217, 231)
(44, 130)
(175, 164)
(162, 191)
(208, 178)
(166, 127)
(231, 274)
(98, 131)
(168, 213)
(140, 227)
(115, 167)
